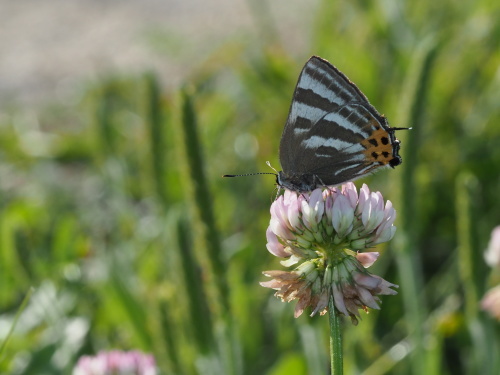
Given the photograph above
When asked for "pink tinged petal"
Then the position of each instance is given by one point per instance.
(303, 302)
(491, 302)
(280, 230)
(293, 212)
(385, 287)
(275, 204)
(375, 283)
(389, 211)
(294, 259)
(338, 298)
(272, 284)
(385, 236)
(492, 255)
(321, 303)
(317, 202)
(380, 201)
(306, 214)
(277, 209)
(331, 192)
(274, 246)
(386, 223)
(364, 195)
(367, 259)
(288, 196)
(367, 298)
(282, 275)
(367, 280)
(352, 305)
(280, 210)
(328, 205)
(342, 216)
(312, 211)
(350, 192)
(284, 215)
(373, 213)
(389, 217)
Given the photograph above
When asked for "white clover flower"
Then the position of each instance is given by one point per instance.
(320, 233)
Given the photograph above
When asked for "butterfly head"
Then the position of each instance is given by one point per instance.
(300, 183)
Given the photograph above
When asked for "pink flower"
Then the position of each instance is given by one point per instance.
(116, 363)
(319, 233)
(342, 216)
(491, 302)
(274, 245)
(367, 259)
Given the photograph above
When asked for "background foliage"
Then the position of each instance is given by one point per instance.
(114, 211)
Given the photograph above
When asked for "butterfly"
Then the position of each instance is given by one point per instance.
(333, 134)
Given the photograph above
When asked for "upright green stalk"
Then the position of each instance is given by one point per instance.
(409, 263)
(156, 127)
(199, 313)
(172, 359)
(211, 241)
(203, 201)
(336, 357)
(483, 349)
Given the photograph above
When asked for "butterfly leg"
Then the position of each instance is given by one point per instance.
(322, 183)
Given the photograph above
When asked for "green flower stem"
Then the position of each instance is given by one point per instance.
(335, 340)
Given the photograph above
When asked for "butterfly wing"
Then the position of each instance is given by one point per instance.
(347, 144)
(332, 131)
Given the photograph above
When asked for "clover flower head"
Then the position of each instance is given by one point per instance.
(116, 362)
(321, 234)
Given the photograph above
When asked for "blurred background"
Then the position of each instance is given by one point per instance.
(117, 119)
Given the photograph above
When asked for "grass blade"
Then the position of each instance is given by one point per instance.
(409, 263)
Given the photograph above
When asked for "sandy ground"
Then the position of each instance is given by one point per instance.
(48, 46)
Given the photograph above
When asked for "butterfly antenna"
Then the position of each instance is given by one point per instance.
(401, 128)
(247, 174)
(270, 166)
(253, 174)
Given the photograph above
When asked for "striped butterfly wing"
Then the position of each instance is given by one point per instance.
(333, 134)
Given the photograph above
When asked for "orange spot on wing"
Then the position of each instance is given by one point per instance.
(378, 147)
